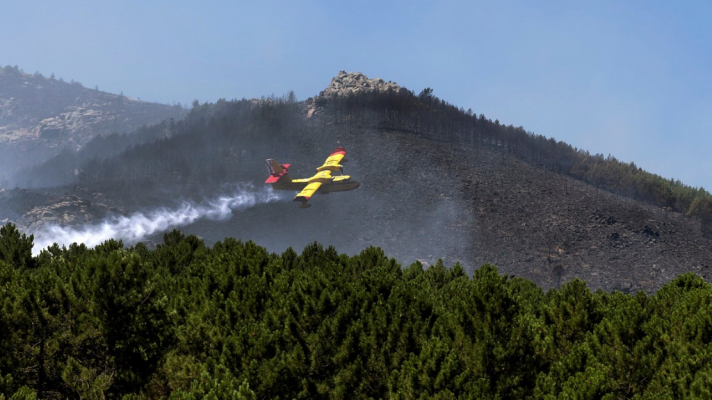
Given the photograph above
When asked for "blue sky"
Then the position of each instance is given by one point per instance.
(628, 78)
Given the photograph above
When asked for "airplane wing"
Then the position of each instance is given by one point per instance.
(307, 193)
(332, 162)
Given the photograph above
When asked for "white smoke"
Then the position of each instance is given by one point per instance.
(135, 227)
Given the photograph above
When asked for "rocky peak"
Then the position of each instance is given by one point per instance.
(347, 83)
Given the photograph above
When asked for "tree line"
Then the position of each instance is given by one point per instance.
(186, 321)
(429, 116)
(208, 147)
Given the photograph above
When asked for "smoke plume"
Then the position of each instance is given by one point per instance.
(135, 227)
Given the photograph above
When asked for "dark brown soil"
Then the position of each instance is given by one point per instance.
(551, 228)
(425, 200)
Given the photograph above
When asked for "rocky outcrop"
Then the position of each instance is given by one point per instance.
(349, 83)
(32, 210)
(346, 83)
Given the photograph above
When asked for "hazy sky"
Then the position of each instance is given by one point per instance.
(628, 78)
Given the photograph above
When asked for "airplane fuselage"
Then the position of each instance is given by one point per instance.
(337, 184)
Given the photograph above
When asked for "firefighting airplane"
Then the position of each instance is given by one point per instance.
(323, 181)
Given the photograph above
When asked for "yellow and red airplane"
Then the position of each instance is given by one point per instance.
(323, 181)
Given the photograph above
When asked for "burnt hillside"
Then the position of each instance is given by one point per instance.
(437, 182)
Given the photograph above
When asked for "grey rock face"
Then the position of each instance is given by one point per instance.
(348, 83)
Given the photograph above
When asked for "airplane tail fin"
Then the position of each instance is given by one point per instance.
(276, 170)
(273, 167)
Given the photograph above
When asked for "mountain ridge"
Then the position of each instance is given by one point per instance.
(40, 116)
